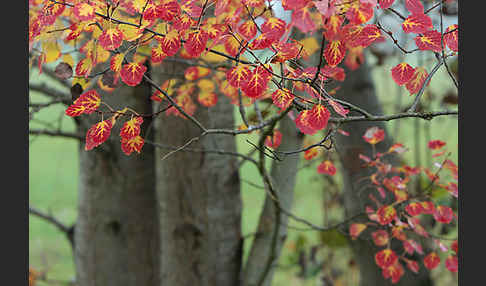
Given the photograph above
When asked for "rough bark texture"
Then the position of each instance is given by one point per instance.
(198, 195)
(358, 88)
(116, 236)
(283, 176)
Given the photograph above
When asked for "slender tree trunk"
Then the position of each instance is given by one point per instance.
(198, 196)
(116, 236)
(283, 175)
(358, 88)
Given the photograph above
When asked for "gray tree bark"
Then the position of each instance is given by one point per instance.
(283, 175)
(198, 196)
(116, 236)
(359, 89)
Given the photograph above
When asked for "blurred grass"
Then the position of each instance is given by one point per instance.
(53, 179)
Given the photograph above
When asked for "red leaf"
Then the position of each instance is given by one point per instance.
(275, 140)
(402, 73)
(282, 98)
(451, 263)
(414, 209)
(413, 265)
(385, 4)
(247, 30)
(334, 52)
(97, 134)
(86, 103)
(338, 108)
(432, 260)
(256, 84)
(374, 135)
(385, 258)
(133, 144)
(132, 73)
(428, 207)
(436, 144)
(451, 39)
(443, 214)
(302, 122)
(417, 23)
(414, 6)
(454, 246)
(367, 36)
(169, 9)
(196, 43)
(360, 14)
(302, 19)
(261, 42)
(430, 40)
(171, 43)
(318, 117)
(131, 128)
(386, 214)
(417, 81)
(274, 28)
(237, 75)
(326, 167)
(111, 39)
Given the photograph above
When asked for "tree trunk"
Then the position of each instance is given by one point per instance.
(358, 88)
(198, 194)
(283, 175)
(116, 236)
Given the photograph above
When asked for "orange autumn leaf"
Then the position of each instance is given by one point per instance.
(356, 229)
(207, 98)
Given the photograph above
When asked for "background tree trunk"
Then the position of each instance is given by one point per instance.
(116, 236)
(283, 175)
(198, 196)
(358, 88)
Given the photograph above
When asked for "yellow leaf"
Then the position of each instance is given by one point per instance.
(82, 81)
(214, 58)
(310, 45)
(206, 85)
(68, 59)
(52, 51)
